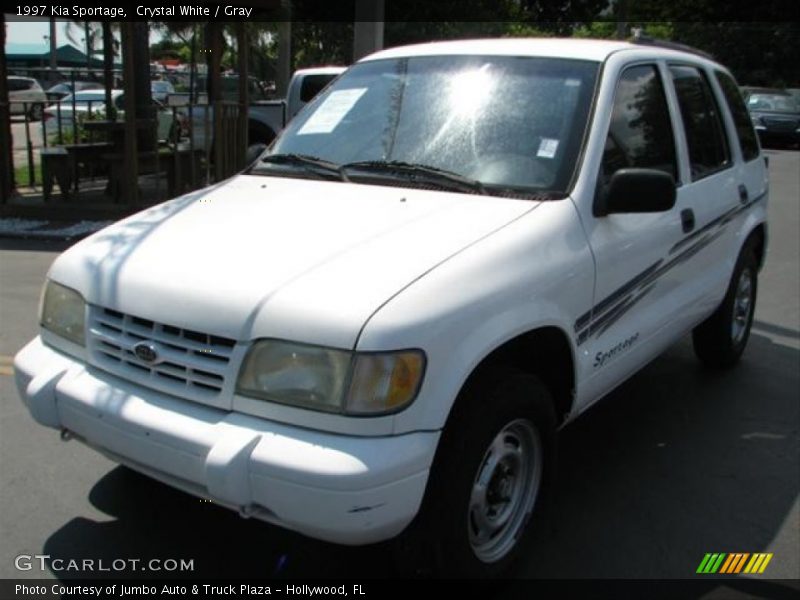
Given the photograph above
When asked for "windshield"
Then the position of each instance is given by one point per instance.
(514, 123)
(60, 88)
(773, 102)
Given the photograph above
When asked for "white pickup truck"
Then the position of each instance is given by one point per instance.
(265, 118)
(451, 253)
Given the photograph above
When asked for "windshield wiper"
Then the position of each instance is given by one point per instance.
(417, 173)
(311, 164)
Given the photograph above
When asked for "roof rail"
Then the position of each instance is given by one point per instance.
(640, 38)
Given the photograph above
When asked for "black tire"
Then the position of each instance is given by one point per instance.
(720, 340)
(36, 112)
(493, 417)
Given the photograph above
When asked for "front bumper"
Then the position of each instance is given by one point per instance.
(344, 489)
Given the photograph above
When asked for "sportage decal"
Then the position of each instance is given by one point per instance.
(601, 357)
(609, 310)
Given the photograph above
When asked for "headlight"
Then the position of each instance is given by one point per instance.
(296, 374)
(63, 311)
(329, 379)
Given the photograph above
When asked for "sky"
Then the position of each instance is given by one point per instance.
(32, 31)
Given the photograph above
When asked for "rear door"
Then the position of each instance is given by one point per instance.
(751, 170)
(709, 197)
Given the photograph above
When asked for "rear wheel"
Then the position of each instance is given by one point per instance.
(720, 340)
(491, 473)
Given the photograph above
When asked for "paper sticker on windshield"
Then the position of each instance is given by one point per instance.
(547, 148)
(332, 111)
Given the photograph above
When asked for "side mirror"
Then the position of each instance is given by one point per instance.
(636, 191)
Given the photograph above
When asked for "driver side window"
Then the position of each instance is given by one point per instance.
(640, 134)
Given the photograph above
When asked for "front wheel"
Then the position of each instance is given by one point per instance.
(493, 468)
(720, 340)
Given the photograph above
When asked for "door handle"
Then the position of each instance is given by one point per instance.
(687, 220)
(743, 195)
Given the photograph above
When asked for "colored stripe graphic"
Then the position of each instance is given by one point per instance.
(741, 562)
(727, 566)
(758, 563)
(710, 563)
(703, 563)
(717, 563)
(734, 563)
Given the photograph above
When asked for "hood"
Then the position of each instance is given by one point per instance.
(276, 257)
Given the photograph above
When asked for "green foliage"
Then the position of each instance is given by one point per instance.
(22, 175)
(68, 133)
(608, 29)
(597, 30)
(526, 30)
(758, 52)
(170, 48)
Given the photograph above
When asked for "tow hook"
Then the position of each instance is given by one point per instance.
(66, 435)
(245, 512)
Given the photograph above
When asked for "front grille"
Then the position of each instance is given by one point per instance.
(190, 363)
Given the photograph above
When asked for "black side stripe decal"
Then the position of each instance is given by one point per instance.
(612, 307)
(611, 299)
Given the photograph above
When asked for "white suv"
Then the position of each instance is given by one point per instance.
(26, 96)
(452, 252)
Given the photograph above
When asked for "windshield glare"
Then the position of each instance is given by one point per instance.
(510, 122)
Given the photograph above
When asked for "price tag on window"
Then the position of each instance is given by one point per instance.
(547, 148)
(331, 112)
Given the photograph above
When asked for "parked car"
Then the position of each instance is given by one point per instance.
(229, 88)
(776, 116)
(26, 95)
(65, 88)
(91, 104)
(160, 89)
(452, 252)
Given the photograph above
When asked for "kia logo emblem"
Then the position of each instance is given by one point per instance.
(146, 352)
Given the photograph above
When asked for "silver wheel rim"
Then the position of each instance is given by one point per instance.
(504, 490)
(742, 306)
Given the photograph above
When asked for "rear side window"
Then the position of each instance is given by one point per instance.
(640, 134)
(705, 136)
(741, 117)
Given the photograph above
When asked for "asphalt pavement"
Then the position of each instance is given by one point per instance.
(676, 463)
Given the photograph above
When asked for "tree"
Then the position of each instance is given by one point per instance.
(758, 41)
(169, 48)
(92, 33)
